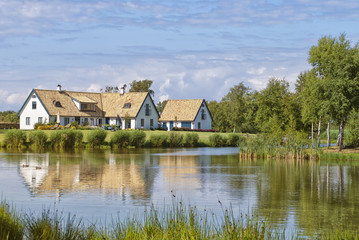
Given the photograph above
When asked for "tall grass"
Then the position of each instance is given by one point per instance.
(158, 140)
(137, 138)
(38, 139)
(66, 139)
(216, 140)
(11, 226)
(15, 138)
(120, 139)
(191, 139)
(175, 140)
(96, 138)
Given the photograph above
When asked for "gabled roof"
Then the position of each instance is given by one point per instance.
(113, 103)
(181, 110)
(107, 104)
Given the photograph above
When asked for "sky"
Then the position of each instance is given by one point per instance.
(190, 48)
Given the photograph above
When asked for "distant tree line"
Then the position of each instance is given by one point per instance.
(324, 95)
(9, 116)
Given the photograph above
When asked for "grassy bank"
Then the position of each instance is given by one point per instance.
(174, 222)
(71, 138)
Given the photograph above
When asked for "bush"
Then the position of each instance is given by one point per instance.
(233, 139)
(66, 139)
(216, 140)
(191, 140)
(15, 138)
(121, 139)
(159, 140)
(96, 138)
(38, 139)
(175, 140)
(75, 124)
(137, 138)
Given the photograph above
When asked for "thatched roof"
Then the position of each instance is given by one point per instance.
(107, 104)
(181, 110)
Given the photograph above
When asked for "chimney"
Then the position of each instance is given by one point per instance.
(59, 88)
(122, 89)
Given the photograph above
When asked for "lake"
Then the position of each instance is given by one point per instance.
(99, 186)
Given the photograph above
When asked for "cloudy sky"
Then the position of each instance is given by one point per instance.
(189, 48)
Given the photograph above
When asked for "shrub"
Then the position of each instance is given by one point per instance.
(159, 140)
(38, 139)
(75, 124)
(15, 138)
(66, 139)
(216, 140)
(175, 139)
(96, 138)
(233, 139)
(191, 139)
(121, 139)
(137, 138)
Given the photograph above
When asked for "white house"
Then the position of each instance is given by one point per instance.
(129, 110)
(190, 113)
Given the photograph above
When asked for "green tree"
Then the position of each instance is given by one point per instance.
(336, 62)
(161, 105)
(9, 116)
(142, 86)
(273, 103)
(110, 89)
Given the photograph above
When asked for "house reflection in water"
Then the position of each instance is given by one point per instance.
(110, 175)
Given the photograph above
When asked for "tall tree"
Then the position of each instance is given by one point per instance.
(336, 62)
(110, 89)
(161, 105)
(142, 86)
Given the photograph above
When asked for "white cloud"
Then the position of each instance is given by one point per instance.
(256, 71)
(94, 88)
(15, 98)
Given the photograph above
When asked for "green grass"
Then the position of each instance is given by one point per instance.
(203, 136)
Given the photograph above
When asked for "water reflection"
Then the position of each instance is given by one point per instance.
(306, 195)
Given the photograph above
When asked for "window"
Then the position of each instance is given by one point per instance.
(151, 123)
(127, 105)
(142, 122)
(56, 103)
(27, 120)
(148, 110)
(34, 96)
(39, 120)
(83, 106)
(66, 120)
(203, 115)
(34, 105)
(199, 125)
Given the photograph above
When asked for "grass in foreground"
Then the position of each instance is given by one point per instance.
(176, 222)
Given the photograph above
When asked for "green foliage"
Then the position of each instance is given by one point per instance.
(15, 138)
(161, 105)
(159, 140)
(137, 138)
(352, 133)
(141, 86)
(121, 139)
(66, 139)
(216, 140)
(233, 139)
(11, 226)
(38, 139)
(175, 140)
(9, 116)
(191, 139)
(96, 138)
(75, 124)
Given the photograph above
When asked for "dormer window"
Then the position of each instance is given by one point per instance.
(56, 103)
(84, 106)
(127, 105)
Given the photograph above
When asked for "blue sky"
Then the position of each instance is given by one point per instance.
(190, 49)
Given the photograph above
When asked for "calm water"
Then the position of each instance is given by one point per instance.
(99, 186)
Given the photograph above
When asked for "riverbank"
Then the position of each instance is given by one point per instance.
(110, 138)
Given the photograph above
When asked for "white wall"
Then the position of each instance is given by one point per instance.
(206, 123)
(142, 115)
(34, 114)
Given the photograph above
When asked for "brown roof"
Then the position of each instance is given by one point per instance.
(107, 104)
(113, 103)
(182, 110)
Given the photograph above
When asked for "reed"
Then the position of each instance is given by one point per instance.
(38, 139)
(15, 138)
(137, 138)
(159, 140)
(175, 139)
(11, 226)
(120, 139)
(96, 138)
(191, 139)
(66, 139)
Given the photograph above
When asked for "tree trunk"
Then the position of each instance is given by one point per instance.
(328, 135)
(319, 126)
(341, 134)
(312, 134)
